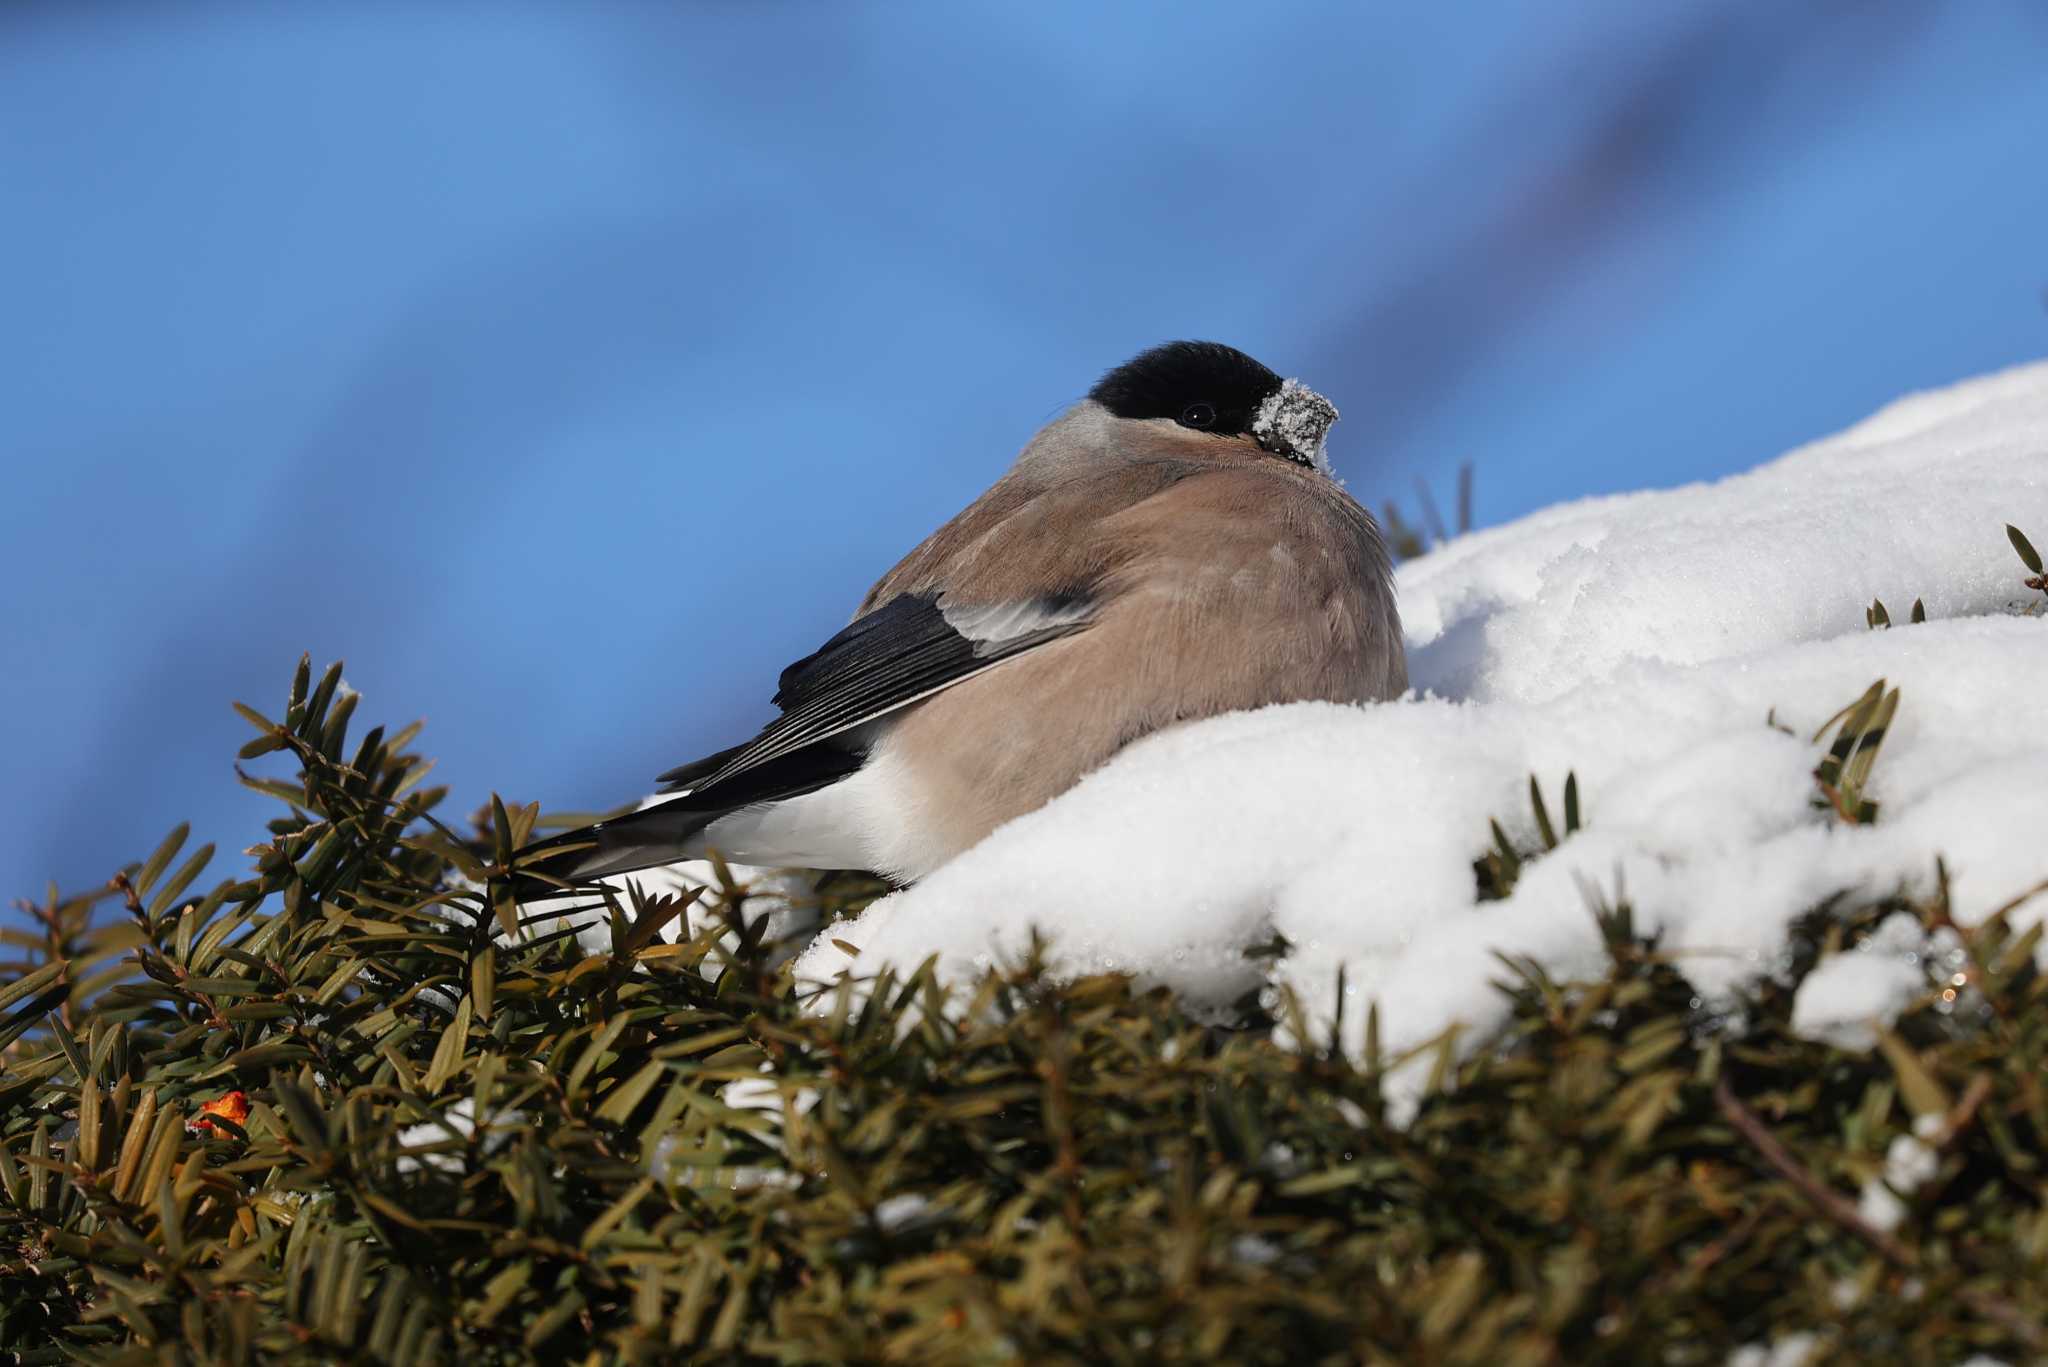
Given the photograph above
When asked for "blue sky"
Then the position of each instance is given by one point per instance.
(570, 368)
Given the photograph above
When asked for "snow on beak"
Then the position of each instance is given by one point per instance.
(1293, 422)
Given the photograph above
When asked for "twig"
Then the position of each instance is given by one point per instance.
(1431, 517)
(57, 942)
(1697, 1265)
(1958, 1120)
(2007, 1314)
(2013, 905)
(1827, 1201)
(1838, 1209)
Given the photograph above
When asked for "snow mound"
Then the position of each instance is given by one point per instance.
(1640, 641)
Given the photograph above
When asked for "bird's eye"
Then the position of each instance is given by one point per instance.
(1198, 415)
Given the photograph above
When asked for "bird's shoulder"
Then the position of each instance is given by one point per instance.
(1028, 537)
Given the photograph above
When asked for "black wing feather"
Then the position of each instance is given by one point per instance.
(901, 652)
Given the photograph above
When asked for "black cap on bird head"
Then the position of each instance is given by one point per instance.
(1213, 388)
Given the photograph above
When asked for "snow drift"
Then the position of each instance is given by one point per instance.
(1675, 650)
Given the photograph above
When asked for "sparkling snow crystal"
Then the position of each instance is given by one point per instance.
(1297, 419)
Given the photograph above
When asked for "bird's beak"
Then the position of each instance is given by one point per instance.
(1293, 422)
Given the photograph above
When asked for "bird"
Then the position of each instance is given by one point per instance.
(1174, 546)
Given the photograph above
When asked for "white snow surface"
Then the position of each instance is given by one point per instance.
(1847, 996)
(1910, 1163)
(1640, 640)
(1791, 1350)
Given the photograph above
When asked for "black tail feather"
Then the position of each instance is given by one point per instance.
(660, 834)
(639, 840)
